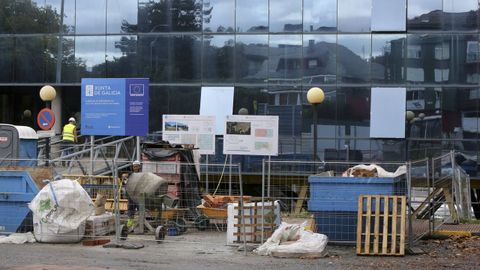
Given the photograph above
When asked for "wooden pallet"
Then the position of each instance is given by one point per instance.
(252, 229)
(381, 225)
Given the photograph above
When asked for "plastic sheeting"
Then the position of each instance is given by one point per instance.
(17, 238)
(376, 170)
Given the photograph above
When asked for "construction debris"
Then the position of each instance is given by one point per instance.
(212, 201)
(373, 170)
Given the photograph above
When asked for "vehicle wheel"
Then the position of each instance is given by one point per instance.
(202, 222)
(160, 233)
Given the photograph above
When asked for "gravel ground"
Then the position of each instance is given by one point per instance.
(208, 251)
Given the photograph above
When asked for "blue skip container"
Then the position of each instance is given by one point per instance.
(341, 193)
(17, 189)
(334, 202)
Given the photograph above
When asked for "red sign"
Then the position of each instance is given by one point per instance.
(45, 119)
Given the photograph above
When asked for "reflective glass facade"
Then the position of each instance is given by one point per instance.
(272, 52)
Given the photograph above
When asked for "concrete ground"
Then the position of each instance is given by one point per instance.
(207, 250)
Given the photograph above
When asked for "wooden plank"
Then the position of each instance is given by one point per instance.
(449, 201)
(385, 225)
(377, 224)
(258, 225)
(239, 229)
(254, 221)
(252, 207)
(359, 224)
(367, 224)
(403, 221)
(259, 217)
(394, 225)
(301, 199)
(267, 233)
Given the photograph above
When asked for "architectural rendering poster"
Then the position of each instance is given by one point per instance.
(190, 129)
(115, 107)
(217, 101)
(387, 115)
(251, 135)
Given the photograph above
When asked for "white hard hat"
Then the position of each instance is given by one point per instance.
(71, 119)
(136, 162)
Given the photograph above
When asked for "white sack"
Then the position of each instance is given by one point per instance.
(64, 209)
(306, 241)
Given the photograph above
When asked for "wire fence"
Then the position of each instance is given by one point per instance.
(173, 194)
(164, 199)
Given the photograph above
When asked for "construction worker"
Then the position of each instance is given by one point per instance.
(69, 136)
(132, 206)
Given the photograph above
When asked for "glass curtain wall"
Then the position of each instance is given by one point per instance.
(272, 52)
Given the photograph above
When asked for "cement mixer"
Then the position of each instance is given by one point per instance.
(147, 184)
(150, 190)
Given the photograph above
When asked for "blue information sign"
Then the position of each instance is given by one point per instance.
(115, 107)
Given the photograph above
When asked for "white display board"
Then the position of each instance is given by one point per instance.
(251, 135)
(387, 115)
(190, 129)
(217, 101)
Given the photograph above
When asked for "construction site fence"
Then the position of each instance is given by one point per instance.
(196, 195)
(179, 197)
(437, 192)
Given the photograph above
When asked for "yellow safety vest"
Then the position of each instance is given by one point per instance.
(68, 134)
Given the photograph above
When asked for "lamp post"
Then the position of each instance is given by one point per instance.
(315, 96)
(409, 118)
(47, 94)
(243, 111)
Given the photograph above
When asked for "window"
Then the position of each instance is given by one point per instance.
(251, 52)
(354, 54)
(319, 16)
(425, 15)
(252, 16)
(388, 15)
(218, 54)
(354, 15)
(121, 16)
(388, 58)
(285, 16)
(312, 63)
(218, 16)
(90, 17)
(442, 51)
(414, 51)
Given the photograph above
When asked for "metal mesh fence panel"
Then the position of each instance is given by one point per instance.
(420, 199)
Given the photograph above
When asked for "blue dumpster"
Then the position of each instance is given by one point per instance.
(334, 202)
(17, 189)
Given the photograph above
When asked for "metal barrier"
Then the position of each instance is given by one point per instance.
(157, 214)
(437, 191)
(79, 159)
